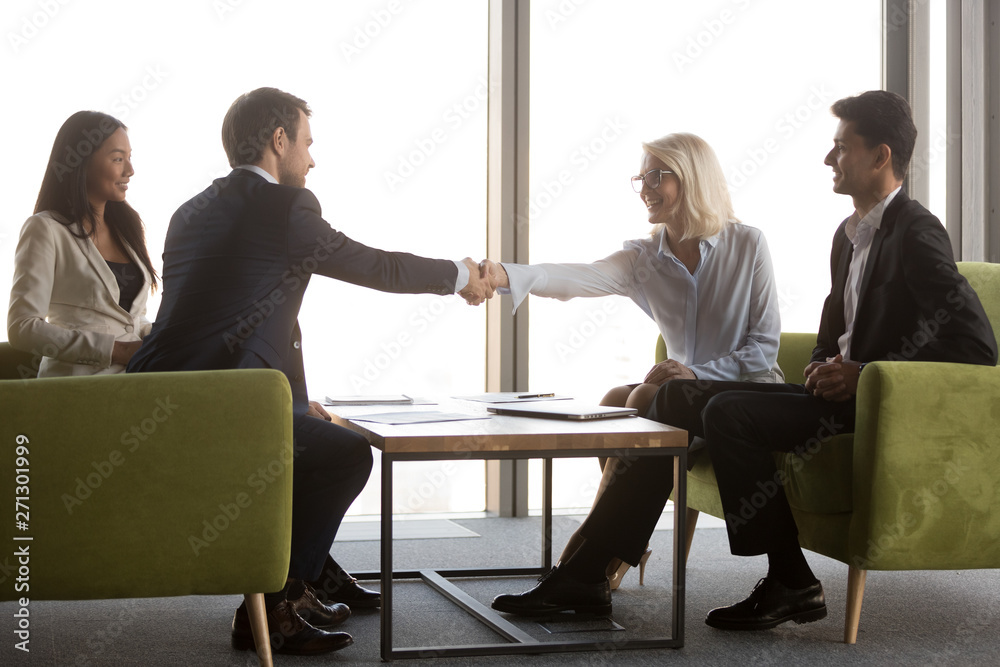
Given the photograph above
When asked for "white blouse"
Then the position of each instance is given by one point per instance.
(722, 322)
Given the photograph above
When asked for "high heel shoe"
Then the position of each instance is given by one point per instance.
(617, 569)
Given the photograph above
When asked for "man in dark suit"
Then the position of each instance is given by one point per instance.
(896, 295)
(236, 262)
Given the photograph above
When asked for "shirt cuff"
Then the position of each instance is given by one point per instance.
(463, 276)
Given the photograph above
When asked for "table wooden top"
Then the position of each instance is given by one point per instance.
(502, 433)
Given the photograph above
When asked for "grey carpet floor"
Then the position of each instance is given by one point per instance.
(908, 618)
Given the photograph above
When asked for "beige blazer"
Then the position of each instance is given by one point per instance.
(64, 302)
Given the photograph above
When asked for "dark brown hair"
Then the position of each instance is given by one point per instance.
(881, 117)
(64, 186)
(252, 119)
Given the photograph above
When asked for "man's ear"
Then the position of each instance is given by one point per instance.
(883, 156)
(279, 141)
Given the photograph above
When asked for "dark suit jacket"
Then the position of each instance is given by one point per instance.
(236, 262)
(913, 303)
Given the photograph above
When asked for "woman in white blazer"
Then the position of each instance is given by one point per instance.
(81, 269)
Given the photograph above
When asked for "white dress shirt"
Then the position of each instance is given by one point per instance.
(722, 321)
(860, 232)
(463, 271)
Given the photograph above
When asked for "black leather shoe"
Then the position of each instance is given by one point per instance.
(317, 614)
(556, 592)
(337, 585)
(769, 605)
(288, 632)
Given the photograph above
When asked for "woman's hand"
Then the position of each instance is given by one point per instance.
(123, 351)
(668, 370)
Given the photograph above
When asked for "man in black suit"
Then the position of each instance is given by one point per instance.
(896, 295)
(236, 263)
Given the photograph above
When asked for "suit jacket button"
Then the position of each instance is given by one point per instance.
(296, 345)
(297, 378)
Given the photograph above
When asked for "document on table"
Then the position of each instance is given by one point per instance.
(512, 397)
(414, 417)
(392, 399)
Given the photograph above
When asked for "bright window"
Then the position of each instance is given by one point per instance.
(398, 93)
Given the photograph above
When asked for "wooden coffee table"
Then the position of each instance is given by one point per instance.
(504, 437)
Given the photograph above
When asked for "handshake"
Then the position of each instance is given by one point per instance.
(484, 278)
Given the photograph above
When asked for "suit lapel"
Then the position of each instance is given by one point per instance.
(839, 284)
(101, 268)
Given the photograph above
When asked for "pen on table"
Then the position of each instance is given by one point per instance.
(536, 395)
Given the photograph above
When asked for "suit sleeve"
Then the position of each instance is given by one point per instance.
(315, 247)
(953, 317)
(30, 296)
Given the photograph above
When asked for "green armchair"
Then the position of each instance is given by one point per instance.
(914, 488)
(149, 485)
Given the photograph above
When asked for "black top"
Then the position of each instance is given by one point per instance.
(129, 280)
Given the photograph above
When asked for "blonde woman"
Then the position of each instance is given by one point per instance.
(706, 280)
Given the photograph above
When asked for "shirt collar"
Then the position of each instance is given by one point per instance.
(872, 220)
(260, 172)
(665, 251)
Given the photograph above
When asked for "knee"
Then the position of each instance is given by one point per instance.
(361, 455)
(642, 397)
(672, 399)
(617, 397)
(722, 416)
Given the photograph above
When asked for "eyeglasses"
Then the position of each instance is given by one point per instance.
(651, 178)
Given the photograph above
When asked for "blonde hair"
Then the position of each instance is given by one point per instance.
(703, 204)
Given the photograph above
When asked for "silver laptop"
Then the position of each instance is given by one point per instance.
(561, 410)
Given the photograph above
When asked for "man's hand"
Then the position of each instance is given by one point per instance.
(318, 411)
(479, 288)
(835, 380)
(489, 267)
(668, 370)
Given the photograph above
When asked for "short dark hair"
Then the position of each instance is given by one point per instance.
(64, 185)
(881, 117)
(252, 119)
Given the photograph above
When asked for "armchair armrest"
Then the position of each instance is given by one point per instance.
(926, 460)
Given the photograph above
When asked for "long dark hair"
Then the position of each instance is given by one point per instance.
(64, 186)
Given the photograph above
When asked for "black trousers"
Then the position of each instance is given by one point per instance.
(331, 466)
(743, 423)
